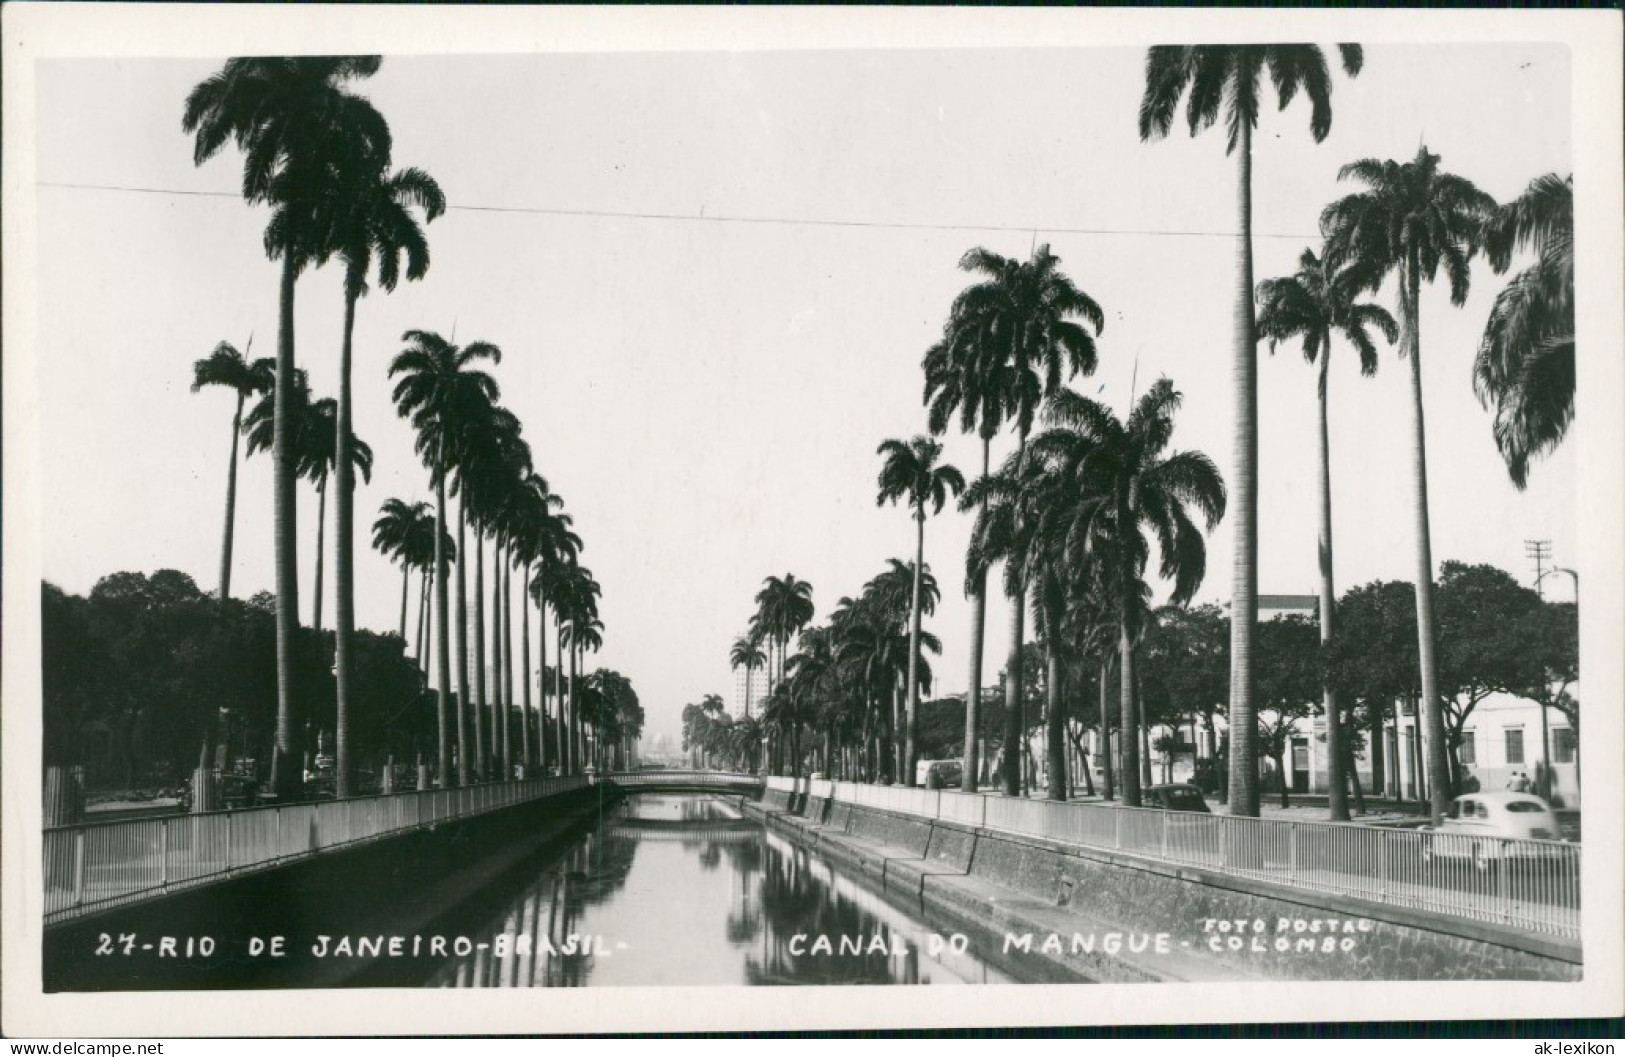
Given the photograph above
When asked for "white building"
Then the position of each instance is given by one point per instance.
(737, 705)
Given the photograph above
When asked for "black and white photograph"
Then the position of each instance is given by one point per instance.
(737, 520)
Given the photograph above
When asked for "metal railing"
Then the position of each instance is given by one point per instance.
(94, 866)
(1527, 884)
(722, 781)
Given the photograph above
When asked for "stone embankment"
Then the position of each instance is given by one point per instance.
(1113, 917)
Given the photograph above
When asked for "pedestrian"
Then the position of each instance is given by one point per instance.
(1519, 782)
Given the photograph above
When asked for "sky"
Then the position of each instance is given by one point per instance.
(713, 276)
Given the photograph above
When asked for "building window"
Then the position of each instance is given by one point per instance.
(1468, 751)
(1514, 746)
(1562, 745)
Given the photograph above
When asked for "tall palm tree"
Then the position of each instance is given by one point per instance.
(491, 459)
(747, 654)
(1311, 305)
(960, 381)
(230, 369)
(311, 427)
(392, 536)
(1227, 81)
(1117, 481)
(436, 378)
(1525, 365)
(318, 461)
(783, 607)
(296, 124)
(556, 547)
(911, 473)
(1036, 329)
(373, 223)
(1414, 218)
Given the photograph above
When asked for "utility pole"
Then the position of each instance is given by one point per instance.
(1541, 552)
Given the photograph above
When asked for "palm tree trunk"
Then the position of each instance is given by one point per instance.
(1106, 726)
(442, 636)
(1128, 734)
(464, 764)
(482, 762)
(505, 573)
(231, 501)
(558, 694)
(497, 702)
(1439, 787)
(1014, 724)
(1336, 799)
(343, 558)
(973, 692)
(406, 583)
(575, 713)
(1244, 594)
(286, 776)
(1055, 730)
(541, 675)
(524, 673)
(321, 534)
(913, 731)
(423, 618)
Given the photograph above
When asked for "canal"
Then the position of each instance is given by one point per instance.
(687, 890)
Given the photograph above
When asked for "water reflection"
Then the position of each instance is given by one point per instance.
(685, 890)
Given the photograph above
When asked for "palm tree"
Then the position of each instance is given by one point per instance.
(374, 222)
(227, 367)
(1227, 80)
(318, 458)
(959, 381)
(747, 654)
(1310, 305)
(783, 607)
(436, 379)
(1525, 364)
(1023, 321)
(296, 124)
(556, 548)
(313, 444)
(911, 473)
(1413, 219)
(1116, 482)
(393, 534)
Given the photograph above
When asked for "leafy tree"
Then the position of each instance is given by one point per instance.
(1227, 81)
(1288, 685)
(1483, 613)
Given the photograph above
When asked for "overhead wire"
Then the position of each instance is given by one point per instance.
(712, 218)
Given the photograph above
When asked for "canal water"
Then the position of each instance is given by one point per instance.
(688, 891)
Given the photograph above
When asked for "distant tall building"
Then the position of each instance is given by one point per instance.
(758, 692)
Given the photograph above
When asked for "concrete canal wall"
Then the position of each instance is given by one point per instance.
(1109, 916)
(401, 886)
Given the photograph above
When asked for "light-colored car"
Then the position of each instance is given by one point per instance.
(1478, 827)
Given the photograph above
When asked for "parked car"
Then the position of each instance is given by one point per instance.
(1478, 826)
(939, 774)
(235, 791)
(1176, 796)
